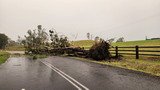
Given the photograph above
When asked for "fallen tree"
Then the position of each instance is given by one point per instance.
(100, 51)
(36, 42)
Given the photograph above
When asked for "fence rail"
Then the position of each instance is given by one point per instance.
(136, 50)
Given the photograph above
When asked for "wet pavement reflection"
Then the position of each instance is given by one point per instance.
(21, 72)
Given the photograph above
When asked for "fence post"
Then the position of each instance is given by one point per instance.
(137, 52)
(116, 51)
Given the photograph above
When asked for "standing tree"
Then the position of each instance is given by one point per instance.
(121, 39)
(88, 35)
(97, 39)
(3, 41)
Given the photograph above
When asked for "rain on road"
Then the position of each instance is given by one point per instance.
(61, 73)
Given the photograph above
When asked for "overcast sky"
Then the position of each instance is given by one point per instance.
(131, 19)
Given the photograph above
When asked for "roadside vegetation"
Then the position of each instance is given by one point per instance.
(150, 67)
(3, 56)
(147, 64)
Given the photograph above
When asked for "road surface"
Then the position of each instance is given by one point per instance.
(60, 73)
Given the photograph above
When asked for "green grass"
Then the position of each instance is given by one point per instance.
(83, 43)
(89, 43)
(3, 56)
(150, 67)
(140, 43)
(15, 48)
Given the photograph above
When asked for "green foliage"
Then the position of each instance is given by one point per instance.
(36, 40)
(58, 41)
(3, 56)
(3, 41)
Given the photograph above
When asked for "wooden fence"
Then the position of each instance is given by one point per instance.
(136, 50)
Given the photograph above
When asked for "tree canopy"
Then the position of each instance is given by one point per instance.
(38, 40)
(3, 41)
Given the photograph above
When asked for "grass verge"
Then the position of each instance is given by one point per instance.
(3, 56)
(146, 66)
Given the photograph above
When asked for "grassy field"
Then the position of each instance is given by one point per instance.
(139, 43)
(89, 43)
(83, 43)
(15, 48)
(3, 56)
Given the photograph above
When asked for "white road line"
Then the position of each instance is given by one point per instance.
(63, 76)
(70, 77)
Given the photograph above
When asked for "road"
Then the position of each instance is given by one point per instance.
(61, 73)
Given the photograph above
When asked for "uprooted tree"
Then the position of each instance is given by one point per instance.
(100, 50)
(58, 41)
(36, 40)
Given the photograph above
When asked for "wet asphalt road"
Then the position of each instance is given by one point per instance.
(60, 73)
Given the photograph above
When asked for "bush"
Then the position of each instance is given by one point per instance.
(3, 41)
(100, 51)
